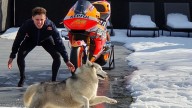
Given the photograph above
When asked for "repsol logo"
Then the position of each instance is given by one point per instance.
(79, 16)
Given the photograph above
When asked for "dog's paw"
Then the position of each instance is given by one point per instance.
(112, 101)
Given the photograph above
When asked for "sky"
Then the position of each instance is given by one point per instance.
(164, 75)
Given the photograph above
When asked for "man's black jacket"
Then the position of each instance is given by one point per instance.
(30, 33)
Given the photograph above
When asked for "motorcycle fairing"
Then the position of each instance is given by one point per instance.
(104, 9)
(79, 23)
(82, 16)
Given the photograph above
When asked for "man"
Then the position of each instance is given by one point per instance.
(38, 31)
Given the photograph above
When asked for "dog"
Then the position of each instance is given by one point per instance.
(79, 91)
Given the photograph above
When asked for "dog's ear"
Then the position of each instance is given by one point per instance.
(89, 63)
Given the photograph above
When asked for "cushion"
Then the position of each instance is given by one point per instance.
(142, 21)
(178, 20)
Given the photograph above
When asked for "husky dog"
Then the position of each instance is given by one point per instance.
(75, 92)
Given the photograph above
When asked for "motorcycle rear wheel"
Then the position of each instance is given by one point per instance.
(102, 60)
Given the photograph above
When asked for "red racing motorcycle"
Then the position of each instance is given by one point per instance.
(86, 24)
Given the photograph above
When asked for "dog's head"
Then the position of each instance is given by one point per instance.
(100, 73)
(94, 68)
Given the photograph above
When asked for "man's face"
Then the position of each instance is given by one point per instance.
(39, 20)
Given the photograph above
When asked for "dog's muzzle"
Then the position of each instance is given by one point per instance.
(102, 77)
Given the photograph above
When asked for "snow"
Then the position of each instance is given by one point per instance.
(164, 75)
(137, 21)
(178, 20)
(175, 20)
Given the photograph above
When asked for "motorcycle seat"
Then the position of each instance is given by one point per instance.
(103, 8)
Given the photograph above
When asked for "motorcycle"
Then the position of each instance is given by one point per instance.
(86, 24)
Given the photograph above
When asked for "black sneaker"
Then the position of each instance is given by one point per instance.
(21, 82)
(73, 75)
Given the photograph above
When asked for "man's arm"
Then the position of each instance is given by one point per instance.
(59, 43)
(16, 44)
(61, 48)
(18, 39)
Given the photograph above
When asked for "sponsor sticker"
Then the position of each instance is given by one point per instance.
(79, 22)
(79, 16)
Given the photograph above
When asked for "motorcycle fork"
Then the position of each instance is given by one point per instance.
(86, 49)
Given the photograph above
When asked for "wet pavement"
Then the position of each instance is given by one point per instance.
(38, 69)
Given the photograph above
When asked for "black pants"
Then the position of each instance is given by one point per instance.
(48, 45)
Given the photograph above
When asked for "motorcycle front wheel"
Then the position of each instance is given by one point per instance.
(76, 56)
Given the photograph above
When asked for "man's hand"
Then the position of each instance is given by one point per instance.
(10, 63)
(70, 66)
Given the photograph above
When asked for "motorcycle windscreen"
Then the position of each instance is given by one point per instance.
(81, 6)
(81, 20)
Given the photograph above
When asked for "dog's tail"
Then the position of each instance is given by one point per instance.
(31, 90)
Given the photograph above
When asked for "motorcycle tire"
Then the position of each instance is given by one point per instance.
(103, 59)
(76, 56)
